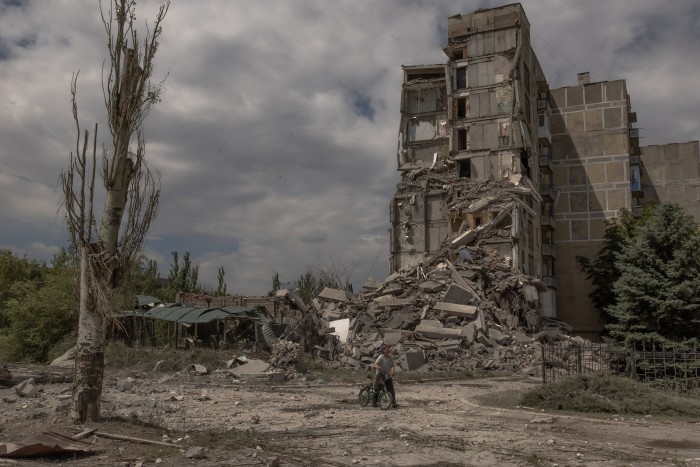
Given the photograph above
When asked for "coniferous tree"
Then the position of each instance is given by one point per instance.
(221, 289)
(602, 271)
(656, 293)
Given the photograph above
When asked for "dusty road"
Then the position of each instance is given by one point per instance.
(318, 423)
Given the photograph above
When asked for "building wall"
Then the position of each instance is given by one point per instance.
(486, 132)
(670, 173)
(590, 157)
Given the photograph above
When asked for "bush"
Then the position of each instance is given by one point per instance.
(605, 393)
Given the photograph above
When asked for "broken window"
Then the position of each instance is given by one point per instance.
(458, 54)
(524, 161)
(425, 128)
(465, 169)
(462, 139)
(461, 78)
(462, 107)
(425, 100)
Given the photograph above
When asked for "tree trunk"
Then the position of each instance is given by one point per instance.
(89, 351)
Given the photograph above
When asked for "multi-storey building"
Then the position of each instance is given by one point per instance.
(488, 152)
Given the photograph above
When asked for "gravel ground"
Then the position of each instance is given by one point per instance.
(299, 422)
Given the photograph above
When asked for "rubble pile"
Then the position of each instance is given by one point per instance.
(466, 308)
(284, 353)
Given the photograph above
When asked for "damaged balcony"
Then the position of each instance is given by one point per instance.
(547, 191)
(548, 249)
(545, 160)
(423, 133)
(547, 221)
(549, 281)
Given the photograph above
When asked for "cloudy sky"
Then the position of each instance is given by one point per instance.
(276, 137)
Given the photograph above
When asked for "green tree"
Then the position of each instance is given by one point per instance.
(276, 285)
(41, 313)
(602, 271)
(14, 269)
(656, 292)
(185, 277)
(221, 289)
(109, 245)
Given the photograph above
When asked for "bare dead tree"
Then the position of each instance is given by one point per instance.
(132, 192)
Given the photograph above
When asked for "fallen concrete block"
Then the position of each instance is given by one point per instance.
(458, 295)
(450, 345)
(251, 368)
(392, 338)
(413, 360)
(430, 286)
(499, 337)
(371, 284)
(393, 290)
(522, 339)
(335, 295)
(389, 301)
(200, 369)
(531, 294)
(26, 388)
(464, 311)
(195, 452)
(469, 332)
(483, 339)
(432, 331)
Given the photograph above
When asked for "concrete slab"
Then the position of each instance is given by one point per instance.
(251, 368)
(458, 295)
(432, 331)
(389, 301)
(336, 295)
(522, 339)
(413, 360)
(431, 286)
(392, 338)
(464, 311)
(499, 337)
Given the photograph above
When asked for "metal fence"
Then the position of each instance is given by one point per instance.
(669, 367)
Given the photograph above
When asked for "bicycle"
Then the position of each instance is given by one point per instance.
(368, 393)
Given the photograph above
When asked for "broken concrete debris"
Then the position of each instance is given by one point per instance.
(462, 309)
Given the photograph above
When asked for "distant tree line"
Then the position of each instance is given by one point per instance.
(39, 306)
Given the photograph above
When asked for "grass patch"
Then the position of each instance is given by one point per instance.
(603, 393)
(119, 355)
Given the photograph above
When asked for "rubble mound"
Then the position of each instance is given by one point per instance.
(464, 309)
(284, 354)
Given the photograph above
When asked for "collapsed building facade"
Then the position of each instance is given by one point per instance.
(491, 157)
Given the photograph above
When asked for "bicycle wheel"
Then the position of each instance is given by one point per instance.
(364, 396)
(385, 401)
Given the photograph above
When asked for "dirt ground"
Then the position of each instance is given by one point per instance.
(312, 422)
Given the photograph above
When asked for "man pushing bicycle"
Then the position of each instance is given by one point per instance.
(385, 370)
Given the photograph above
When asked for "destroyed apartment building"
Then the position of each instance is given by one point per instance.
(504, 181)
(491, 157)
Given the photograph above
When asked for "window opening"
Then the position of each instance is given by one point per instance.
(465, 169)
(461, 74)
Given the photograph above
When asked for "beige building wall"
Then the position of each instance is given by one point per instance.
(590, 157)
(670, 173)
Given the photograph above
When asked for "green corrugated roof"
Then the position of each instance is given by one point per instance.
(145, 300)
(197, 314)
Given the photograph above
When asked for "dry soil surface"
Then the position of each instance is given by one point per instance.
(305, 422)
